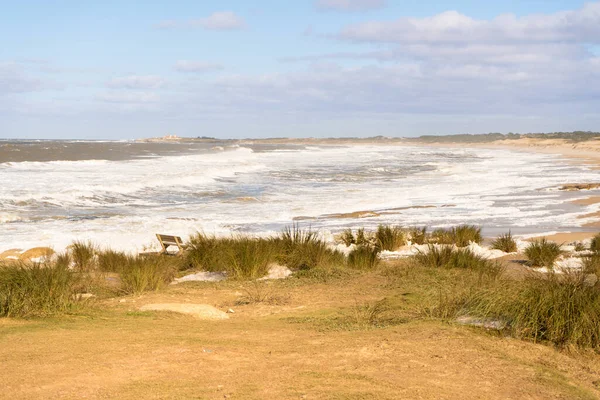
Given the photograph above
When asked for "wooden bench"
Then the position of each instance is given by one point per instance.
(168, 240)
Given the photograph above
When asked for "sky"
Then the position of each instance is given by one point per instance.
(119, 69)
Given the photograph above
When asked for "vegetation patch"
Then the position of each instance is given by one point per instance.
(505, 243)
(543, 253)
(35, 290)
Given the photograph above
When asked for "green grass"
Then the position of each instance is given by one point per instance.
(418, 235)
(505, 243)
(591, 264)
(82, 255)
(563, 310)
(595, 244)
(460, 236)
(111, 261)
(363, 258)
(147, 273)
(35, 290)
(445, 256)
(389, 238)
(239, 256)
(543, 253)
(302, 249)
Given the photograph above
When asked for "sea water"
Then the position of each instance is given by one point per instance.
(119, 194)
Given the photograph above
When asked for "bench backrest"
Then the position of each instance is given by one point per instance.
(168, 240)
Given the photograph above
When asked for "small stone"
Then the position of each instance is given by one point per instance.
(230, 311)
(122, 301)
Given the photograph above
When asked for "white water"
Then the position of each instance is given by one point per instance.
(122, 204)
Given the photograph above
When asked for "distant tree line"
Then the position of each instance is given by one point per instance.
(577, 136)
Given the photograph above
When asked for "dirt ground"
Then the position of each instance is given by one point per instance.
(306, 341)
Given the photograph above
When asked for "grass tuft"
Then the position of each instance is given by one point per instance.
(505, 243)
(543, 253)
(82, 255)
(460, 235)
(35, 290)
(595, 244)
(146, 273)
(389, 238)
(363, 258)
(563, 310)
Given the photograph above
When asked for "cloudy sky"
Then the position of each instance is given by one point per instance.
(265, 68)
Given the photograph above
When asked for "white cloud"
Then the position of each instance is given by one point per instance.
(349, 5)
(581, 25)
(137, 82)
(14, 80)
(221, 20)
(217, 21)
(197, 66)
(128, 97)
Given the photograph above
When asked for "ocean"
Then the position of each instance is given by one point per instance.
(119, 194)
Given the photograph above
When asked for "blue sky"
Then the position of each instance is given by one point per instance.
(232, 69)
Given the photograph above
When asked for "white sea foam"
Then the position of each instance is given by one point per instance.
(122, 204)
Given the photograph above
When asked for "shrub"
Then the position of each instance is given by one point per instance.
(390, 238)
(144, 273)
(579, 246)
(595, 244)
(543, 253)
(505, 243)
(82, 254)
(29, 290)
(562, 310)
(363, 258)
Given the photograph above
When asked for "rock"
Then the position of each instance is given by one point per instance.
(83, 296)
(12, 254)
(203, 276)
(480, 322)
(200, 311)
(37, 252)
(277, 271)
(230, 311)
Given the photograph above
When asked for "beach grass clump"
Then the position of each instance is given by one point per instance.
(543, 253)
(363, 258)
(35, 290)
(435, 257)
(302, 249)
(111, 260)
(418, 235)
(146, 273)
(83, 255)
(390, 238)
(563, 310)
(595, 244)
(591, 264)
(240, 257)
(347, 237)
(505, 243)
(446, 256)
(463, 235)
